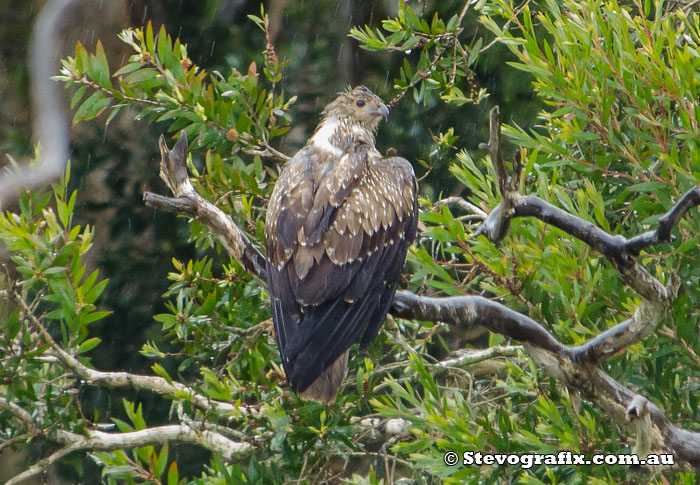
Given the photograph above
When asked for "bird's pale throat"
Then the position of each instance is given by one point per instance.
(334, 135)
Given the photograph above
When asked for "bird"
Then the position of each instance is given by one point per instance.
(340, 219)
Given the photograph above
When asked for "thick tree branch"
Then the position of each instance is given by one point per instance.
(617, 400)
(471, 311)
(666, 222)
(94, 440)
(621, 254)
(556, 359)
(101, 441)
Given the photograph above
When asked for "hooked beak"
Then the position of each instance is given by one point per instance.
(382, 111)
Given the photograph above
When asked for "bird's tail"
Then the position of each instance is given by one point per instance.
(325, 388)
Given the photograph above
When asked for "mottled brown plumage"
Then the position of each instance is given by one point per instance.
(339, 223)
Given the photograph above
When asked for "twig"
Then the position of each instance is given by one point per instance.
(267, 150)
(462, 204)
(115, 380)
(15, 439)
(420, 78)
(465, 357)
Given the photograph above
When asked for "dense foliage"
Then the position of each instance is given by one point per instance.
(616, 144)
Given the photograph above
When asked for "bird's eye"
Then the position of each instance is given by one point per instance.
(360, 103)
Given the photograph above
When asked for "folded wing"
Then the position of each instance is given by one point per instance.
(336, 245)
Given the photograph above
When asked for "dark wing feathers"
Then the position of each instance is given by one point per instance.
(336, 238)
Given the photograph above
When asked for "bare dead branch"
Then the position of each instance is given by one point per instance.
(638, 412)
(465, 357)
(621, 252)
(665, 436)
(173, 171)
(642, 324)
(471, 311)
(496, 227)
(666, 222)
(657, 297)
(462, 204)
(101, 441)
(50, 124)
(94, 440)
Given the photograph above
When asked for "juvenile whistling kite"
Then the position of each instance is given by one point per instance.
(340, 220)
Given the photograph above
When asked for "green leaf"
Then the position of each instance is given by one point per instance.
(647, 186)
(142, 77)
(88, 318)
(96, 109)
(165, 53)
(129, 68)
(173, 476)
(77, 96)
(160, 370)
(85, 109)
(54, 271)
(148, 38)
(135, 414)
(82, 57)
(168, 320)
(410, 43)
(123, 426)
(54, 315)
(95, 292)
(162, 461)
(89, 344)
(101, 67)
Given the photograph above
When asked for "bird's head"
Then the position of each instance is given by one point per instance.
(358, 106)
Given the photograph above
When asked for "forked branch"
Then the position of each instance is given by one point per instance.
(173, 171)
